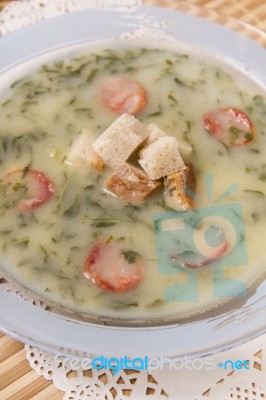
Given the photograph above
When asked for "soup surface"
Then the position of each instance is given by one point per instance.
(45, 246)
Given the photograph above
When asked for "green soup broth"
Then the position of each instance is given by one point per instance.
(45, 250)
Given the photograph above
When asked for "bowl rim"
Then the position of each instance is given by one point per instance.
(56, 333)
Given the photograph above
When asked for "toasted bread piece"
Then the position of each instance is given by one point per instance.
(156, 133)
(120, 140)
(184, 148)
(82, 153)
(161, 158)
(178, 189)
(130, 183)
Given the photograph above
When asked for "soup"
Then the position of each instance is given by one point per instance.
(50, 237)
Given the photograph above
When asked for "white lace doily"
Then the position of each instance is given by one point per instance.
(25, 12)
(166, 384)
(91, 384)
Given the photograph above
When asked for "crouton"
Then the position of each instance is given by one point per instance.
(184, 148)
(156, 133)
(120, 140)
(179, 188)
(81, 152)
(130, 183)
(161, 158)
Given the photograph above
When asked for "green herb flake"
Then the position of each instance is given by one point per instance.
(92, 75)
(5, 103)
(89, 187)
(84, 112)
(23, 262)
(109, 239)
(130, 256)
(255, 151)
(262, 177)
(169, 62)
(22, 243)
(189, 125)
(156, 113)
(181, 83)
(16, 83)
(19, 187)
(72, 210)
(255, 217)
(254, 192)
(260, 102)
(45, 254)
(156, 303)
(72, 101)
(236, 133)
(26, 170)
(104, 223)
(172, 98)
(249, 169)
(120, 305)
(5, 231)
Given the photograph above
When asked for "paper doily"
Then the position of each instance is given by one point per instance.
(91, 384)
(165, 384)
(25, 12)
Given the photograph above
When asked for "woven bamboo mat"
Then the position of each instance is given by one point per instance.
(245, 16)
(17, 380)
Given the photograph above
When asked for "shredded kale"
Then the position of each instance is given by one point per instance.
(130, 256)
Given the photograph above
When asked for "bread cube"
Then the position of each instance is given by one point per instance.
(120, 140)
(184, 148)
(130, 183)
(82, 153)
(156, 133)
(179, 188)
(161, 158)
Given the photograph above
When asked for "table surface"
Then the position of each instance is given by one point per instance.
(17, 380)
